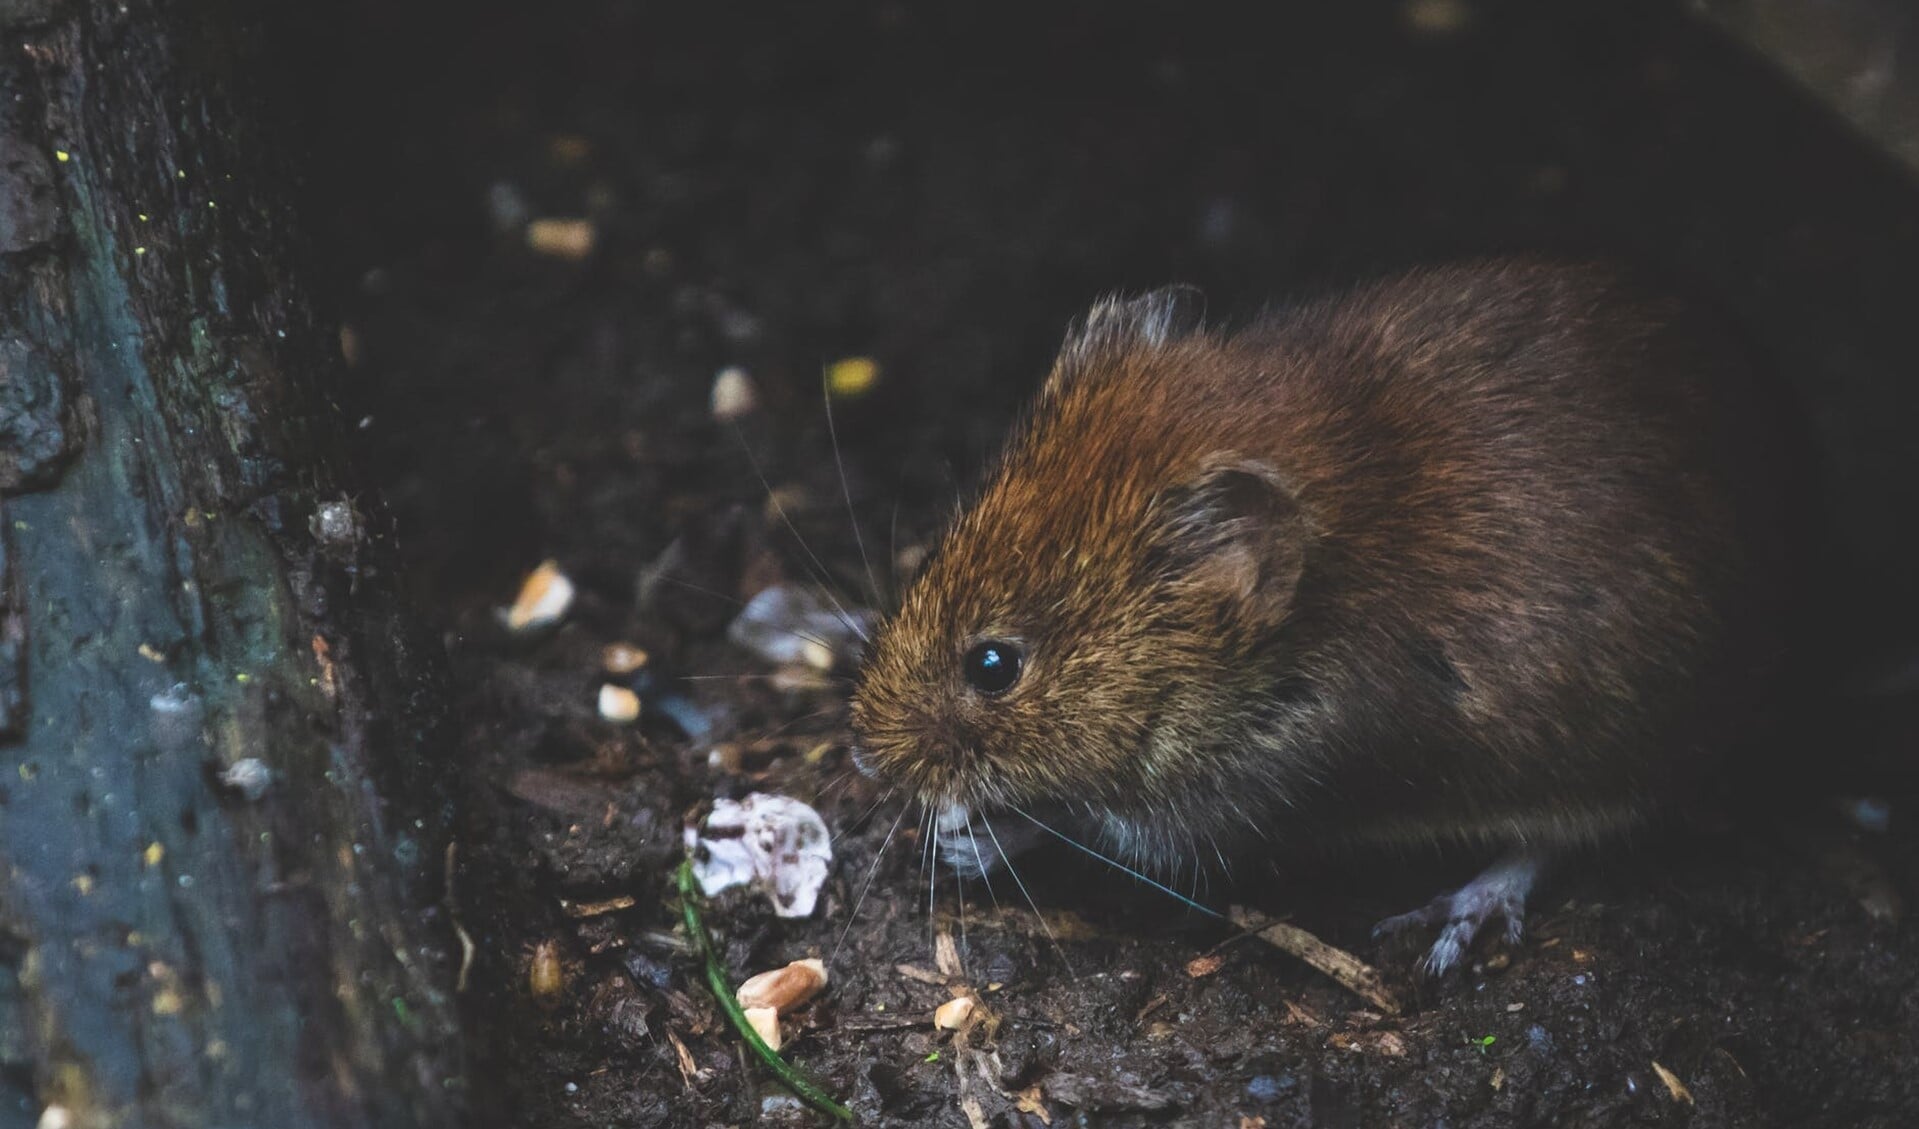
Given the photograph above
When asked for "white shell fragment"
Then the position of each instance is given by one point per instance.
(544, 597)
(790, 625)
(784, 989)
(733, 395)
(775, 843)
(618, 704)
(766, 1023)
(953, 1014)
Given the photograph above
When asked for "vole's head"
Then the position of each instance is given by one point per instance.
(1093, 631)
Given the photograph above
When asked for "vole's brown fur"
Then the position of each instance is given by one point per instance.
(1473, 554)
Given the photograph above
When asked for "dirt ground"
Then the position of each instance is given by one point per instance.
(939, 188)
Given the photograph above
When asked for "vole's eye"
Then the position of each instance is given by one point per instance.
(992, 666)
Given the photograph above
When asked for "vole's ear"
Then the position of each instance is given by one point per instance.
(1234, 531)
(1148, 321)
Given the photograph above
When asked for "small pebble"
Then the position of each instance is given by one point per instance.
(561, 238)
(619, 704)
(622, 658)
(1436, 17)
(545, 595)
(850, 377)
(733, 395)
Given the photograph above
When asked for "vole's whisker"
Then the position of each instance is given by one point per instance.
(846, 492)
(821, 574)
(984, 875)
(1225, 868)
(1007, 861)
(871, 873)
(762, 675)
(1120, 866)
(929, 867)
(959, 888)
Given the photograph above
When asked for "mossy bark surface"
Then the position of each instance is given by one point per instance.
(174, 950)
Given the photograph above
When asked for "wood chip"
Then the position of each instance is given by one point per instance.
(1032, 1100)
(1358, 977)
(946, 954)
(1203, 966)
(784, 989)
(597, 909)
(1673, 1085)
(689, 1069)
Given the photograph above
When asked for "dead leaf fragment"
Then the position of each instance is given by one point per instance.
(1673, 1085)
(1032, 1100)
(1203, 966)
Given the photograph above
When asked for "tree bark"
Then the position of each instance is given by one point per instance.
(185, 587)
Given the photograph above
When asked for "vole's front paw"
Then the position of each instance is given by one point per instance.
(1499, 892)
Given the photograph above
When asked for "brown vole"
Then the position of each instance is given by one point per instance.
(1478, 556)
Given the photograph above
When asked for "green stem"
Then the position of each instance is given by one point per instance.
(789, 1075)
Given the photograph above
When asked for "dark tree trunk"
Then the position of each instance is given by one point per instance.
(186, 588)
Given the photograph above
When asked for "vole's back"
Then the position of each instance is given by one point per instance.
(1541, 529)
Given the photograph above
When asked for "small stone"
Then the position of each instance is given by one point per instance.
(733, 395)
(1436, 17)
(561, 238)
(852, 377)
(619, 704)
(545, 595)
(622, 658)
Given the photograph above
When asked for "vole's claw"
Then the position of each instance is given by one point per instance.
(1500, 891)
